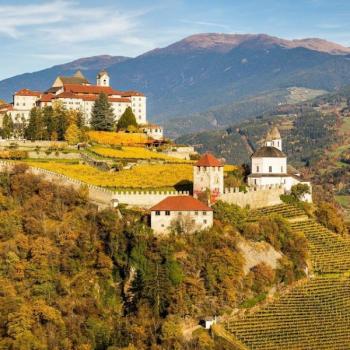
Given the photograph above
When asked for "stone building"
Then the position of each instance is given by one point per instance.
(208, 175)
(185, 212)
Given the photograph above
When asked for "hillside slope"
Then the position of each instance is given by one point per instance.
(314, 314)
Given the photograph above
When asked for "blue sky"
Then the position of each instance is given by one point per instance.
(38, 34)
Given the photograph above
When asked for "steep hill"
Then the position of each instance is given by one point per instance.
(208, 70)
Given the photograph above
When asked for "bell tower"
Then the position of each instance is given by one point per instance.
(274, 139)
(102, 78)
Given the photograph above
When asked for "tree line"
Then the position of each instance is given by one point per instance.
(56, 123)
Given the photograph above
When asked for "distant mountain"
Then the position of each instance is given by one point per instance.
(43, 79)
(207, 71)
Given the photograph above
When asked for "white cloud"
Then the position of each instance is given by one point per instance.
(65, 21)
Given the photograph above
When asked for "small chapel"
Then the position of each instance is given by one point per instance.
(269, 165)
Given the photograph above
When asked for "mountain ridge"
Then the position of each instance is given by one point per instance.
(207, 70)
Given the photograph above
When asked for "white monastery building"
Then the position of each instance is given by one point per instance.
(269, 165)
(76, 93)
(185, 211)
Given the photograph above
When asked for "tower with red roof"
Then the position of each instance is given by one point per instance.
(208, 175)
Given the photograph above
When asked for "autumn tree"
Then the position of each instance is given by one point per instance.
(72, 134)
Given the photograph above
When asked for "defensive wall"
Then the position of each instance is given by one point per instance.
(254, 197)
(146, 199)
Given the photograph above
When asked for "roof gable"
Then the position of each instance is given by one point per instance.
(180, 203)
(208, 160)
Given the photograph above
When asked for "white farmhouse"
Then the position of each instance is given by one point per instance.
(184, 211)
(269, 165)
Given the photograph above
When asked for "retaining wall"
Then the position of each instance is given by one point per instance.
(254, 197)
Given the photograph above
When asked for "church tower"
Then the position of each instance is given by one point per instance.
(102, 78)
(208, 174)
(273, 138)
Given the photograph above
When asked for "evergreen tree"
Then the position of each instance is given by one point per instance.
(127, 119)
(7, 127)
(32, 128)
(102, 114)
(49, 121)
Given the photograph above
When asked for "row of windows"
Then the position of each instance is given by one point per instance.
(270, 169)
(167, 213)
(204, 168)
(193, 222)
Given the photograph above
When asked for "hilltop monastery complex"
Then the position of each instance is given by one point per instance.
(270, 174)
(77, 93)
(270, 178)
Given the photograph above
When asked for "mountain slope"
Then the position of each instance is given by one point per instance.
(208, 70)
(43, 79)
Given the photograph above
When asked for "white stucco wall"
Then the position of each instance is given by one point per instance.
(192, 220)
(261, 165)
(211, 178)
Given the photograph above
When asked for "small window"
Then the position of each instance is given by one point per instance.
(204, 221)
(196, 213)
(255, 182)
(180, 213)
(257, 169)
(157, 213)
(270, 169)
(167, 212)
(204, 213)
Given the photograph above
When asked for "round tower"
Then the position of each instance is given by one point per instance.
(208, 175)
(102, 78)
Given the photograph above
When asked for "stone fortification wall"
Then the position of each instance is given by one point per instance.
(98, 195)
(254, 197)
(146, 199)
(104, 197)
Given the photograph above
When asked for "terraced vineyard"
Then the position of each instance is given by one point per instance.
(315, 315)
(330, 253)
(286, 210)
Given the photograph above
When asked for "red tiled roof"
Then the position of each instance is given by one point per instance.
(119, 99)
(46, 98)
(131, 93)
(27, 92)
(208, 160)
(90, 89)
(6, 107)
(67, 94)
(180, 203)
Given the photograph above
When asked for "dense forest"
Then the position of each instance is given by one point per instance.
(73, 277)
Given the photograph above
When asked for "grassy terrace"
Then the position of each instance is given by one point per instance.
(127, 152)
